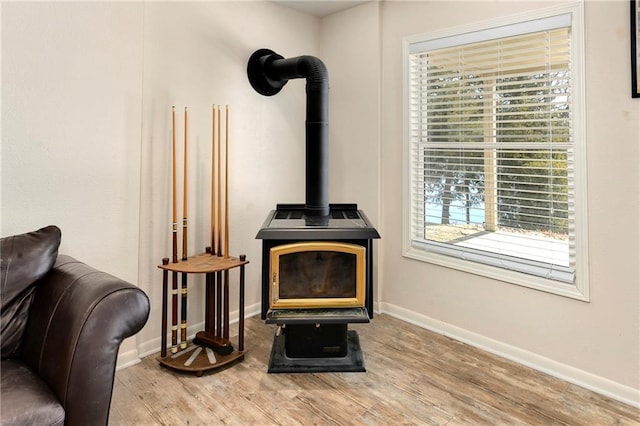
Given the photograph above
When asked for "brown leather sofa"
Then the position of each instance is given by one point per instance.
(62, 325)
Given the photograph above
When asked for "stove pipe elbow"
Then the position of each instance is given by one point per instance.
(268, 72)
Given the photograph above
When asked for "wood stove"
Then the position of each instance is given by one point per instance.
(346, 234)
(317, 277)
(317, 258)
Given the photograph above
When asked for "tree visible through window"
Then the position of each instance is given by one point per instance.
(491, 147)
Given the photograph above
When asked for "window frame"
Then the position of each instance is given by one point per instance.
(580, 288)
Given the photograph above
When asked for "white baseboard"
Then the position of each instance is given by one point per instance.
(127, 359)
(152, 346)
(601, 385)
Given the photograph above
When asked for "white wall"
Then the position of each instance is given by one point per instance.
(195, 55)
(71, 118)
(350, 47)
(71, 100)
(596, 343)
(87, 90)
(351, 50)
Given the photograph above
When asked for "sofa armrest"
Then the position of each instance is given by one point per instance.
(76, 324)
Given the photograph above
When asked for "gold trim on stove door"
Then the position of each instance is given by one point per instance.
(326, 302)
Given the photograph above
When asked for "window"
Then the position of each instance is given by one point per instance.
(495, 150)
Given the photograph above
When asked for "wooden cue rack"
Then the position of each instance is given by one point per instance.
(211, 348)
(198, 358)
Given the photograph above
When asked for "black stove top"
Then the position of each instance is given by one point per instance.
(344, 221)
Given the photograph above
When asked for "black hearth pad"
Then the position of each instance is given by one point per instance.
(353, 362)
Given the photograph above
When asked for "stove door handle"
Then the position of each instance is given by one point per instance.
(274, 292)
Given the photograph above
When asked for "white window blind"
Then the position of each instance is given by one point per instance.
(491, 147)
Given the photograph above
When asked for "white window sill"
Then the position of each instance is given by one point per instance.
(500, 274)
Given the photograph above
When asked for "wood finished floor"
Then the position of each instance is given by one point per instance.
(413, 376)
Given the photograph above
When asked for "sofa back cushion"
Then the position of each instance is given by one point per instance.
(24, 259)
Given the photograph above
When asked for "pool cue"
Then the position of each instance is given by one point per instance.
(174, 275)
(175, 203)
(225, 330)
(210, 277)
(219, 230)
(216, 249)
(213, 180)
(226, 185)
(183, 299)
(219, 251)
(184, 195)
(212, 336)
(210, 314)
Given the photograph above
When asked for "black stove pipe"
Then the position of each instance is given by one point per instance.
(268, 72)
